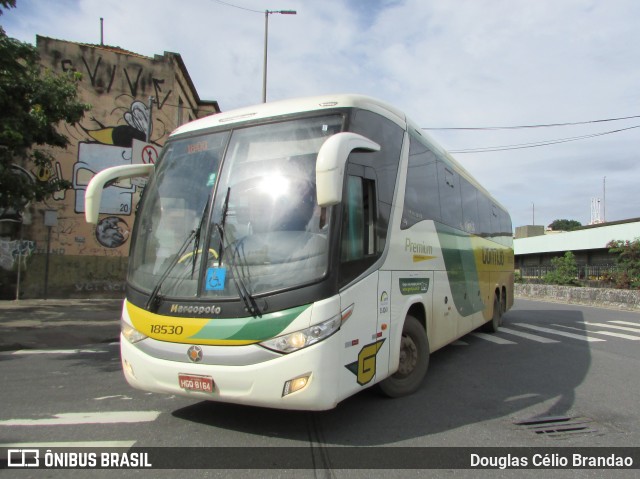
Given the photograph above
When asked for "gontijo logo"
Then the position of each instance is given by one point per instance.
(492, 256)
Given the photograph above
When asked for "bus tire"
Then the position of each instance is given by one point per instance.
(494, 324)
(414, 361)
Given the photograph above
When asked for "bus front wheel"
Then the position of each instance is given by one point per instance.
(414, 360)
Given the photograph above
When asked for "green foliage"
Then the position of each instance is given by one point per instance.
(7, 4)
(33, 101)
(627, 255)
(565, 271)
(565, 225)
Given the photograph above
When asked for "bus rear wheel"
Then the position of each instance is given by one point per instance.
(494, 324)
(414, 361)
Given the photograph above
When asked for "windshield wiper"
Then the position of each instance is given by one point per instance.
(220, 227)
(196, 241)
(154, 299)
(249, 301)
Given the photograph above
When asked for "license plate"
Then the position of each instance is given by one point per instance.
(192, 382)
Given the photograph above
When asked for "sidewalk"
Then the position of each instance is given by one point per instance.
(58, 323)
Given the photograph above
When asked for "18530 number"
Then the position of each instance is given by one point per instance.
(166, 329)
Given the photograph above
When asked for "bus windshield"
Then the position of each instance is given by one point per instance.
(234, 213)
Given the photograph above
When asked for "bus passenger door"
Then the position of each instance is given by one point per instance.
(362, 346)
(365, 350)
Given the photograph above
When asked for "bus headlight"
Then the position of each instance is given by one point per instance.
(131, 333)
(306, 337)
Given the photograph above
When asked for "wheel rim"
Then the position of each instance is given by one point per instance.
(408, 356)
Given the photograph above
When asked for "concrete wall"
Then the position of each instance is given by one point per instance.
(615, 298)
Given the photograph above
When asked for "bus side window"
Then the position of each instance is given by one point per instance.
(450, 200)
(470, 218)
(360, 237)
(358, 220)
(421, 198)
(505, 228)
(484, 215)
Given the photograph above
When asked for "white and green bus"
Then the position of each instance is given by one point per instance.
(291, 254)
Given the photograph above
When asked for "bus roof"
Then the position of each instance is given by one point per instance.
(318, 103)
(285, 107)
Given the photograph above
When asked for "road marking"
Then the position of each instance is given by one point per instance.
(37, 323)
(522, 396)
(70, 444)
(560, 333)
(28, 352)
(606, 333)
(73, 418)
(522, 334)
(493, 339)
(627, 323)
(613, 326)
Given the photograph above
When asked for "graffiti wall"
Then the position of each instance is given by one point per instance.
(14, 253)
(136, 102)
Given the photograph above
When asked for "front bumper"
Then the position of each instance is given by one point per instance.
(260, 384)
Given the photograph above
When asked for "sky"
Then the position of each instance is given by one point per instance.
(455, 67)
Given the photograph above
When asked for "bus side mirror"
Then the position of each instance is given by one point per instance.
(331, 162)
(93, 195)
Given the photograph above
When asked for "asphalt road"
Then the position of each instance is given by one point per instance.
(571, 371)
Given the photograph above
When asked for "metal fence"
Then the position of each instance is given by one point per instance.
(593, 275)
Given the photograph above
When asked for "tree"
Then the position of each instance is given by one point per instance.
(565, 225)
(7, 4)
(33, 101)
(627, 254)
(564, 272)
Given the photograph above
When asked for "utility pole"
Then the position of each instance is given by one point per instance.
(266, 40)
(150, 124)
(50, 220)
(604, 199)
(533, 214)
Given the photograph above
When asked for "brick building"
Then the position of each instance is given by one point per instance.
(136, 102)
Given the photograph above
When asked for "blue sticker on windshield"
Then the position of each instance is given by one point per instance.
(215, 279)
(212, 179)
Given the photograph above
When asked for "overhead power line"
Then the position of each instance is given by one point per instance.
(238, 6)
(543, 125)
(539, 143)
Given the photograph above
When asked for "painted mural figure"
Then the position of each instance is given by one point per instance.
(112, 232)
(137, 123)
(113, 146)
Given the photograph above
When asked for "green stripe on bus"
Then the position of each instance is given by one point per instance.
(462, 270)
(250, 328)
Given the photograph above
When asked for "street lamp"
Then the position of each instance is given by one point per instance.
(266, 36)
